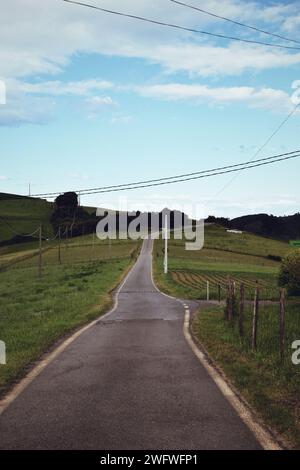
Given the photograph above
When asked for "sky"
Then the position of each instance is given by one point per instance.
(93, 100)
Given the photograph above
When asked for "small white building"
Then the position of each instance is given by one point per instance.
(233, 231)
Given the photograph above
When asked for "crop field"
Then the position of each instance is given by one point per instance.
(218, 282)
(244, 258)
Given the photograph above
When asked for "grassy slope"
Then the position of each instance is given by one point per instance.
(270, 385)
(243, 256)
(35, 312)
(23, 215)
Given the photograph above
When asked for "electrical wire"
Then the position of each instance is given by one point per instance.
(169, 178)
(261, 147)
(190, 178)
(175, 26)
(201, 10)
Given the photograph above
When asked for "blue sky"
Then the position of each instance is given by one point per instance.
(96, 100)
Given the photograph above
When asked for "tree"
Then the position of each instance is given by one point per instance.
(289, 275)
(67, 200)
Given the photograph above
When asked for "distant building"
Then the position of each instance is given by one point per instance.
(234, 231)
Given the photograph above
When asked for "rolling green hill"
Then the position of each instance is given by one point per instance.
(21, 214)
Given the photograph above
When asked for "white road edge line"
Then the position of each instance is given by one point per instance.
(10, 397)
(265, 439)
(262, 435)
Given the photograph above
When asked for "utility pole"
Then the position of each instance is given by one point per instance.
(255, 318)
(59, 253)
(29, 189)
(166, 245)
(40, 252)
(282, 322)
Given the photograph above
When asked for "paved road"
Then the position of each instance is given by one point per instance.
(129, 382)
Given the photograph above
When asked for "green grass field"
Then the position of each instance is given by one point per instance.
(35, 312)
(243, 257)
(23, 215)
(269, 384)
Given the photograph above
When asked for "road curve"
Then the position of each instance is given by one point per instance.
(129, 382)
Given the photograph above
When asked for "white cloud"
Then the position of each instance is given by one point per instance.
(29, 103)
(97, 104)
(42, 37)
(259, 98)
(35, 103)
(58, 88)
(99, 101)
(219, 61)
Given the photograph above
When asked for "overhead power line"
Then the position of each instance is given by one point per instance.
(175, 26)
(285, 120)
(254, 28)
(189, 179)
(183, 177)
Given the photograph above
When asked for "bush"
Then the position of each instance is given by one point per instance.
(289, 275)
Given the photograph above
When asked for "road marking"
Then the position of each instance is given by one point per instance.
(10, 397)
(263, 436)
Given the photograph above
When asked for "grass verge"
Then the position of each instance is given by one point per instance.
(34, 313)
(268, 384)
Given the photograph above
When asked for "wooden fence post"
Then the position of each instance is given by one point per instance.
(219, 292)
(241, 311)
(255, 318)
(282, 323)
(207, 290)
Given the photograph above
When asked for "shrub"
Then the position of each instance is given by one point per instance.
(289, 275)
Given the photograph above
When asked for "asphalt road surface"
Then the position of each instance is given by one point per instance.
(129, 382)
